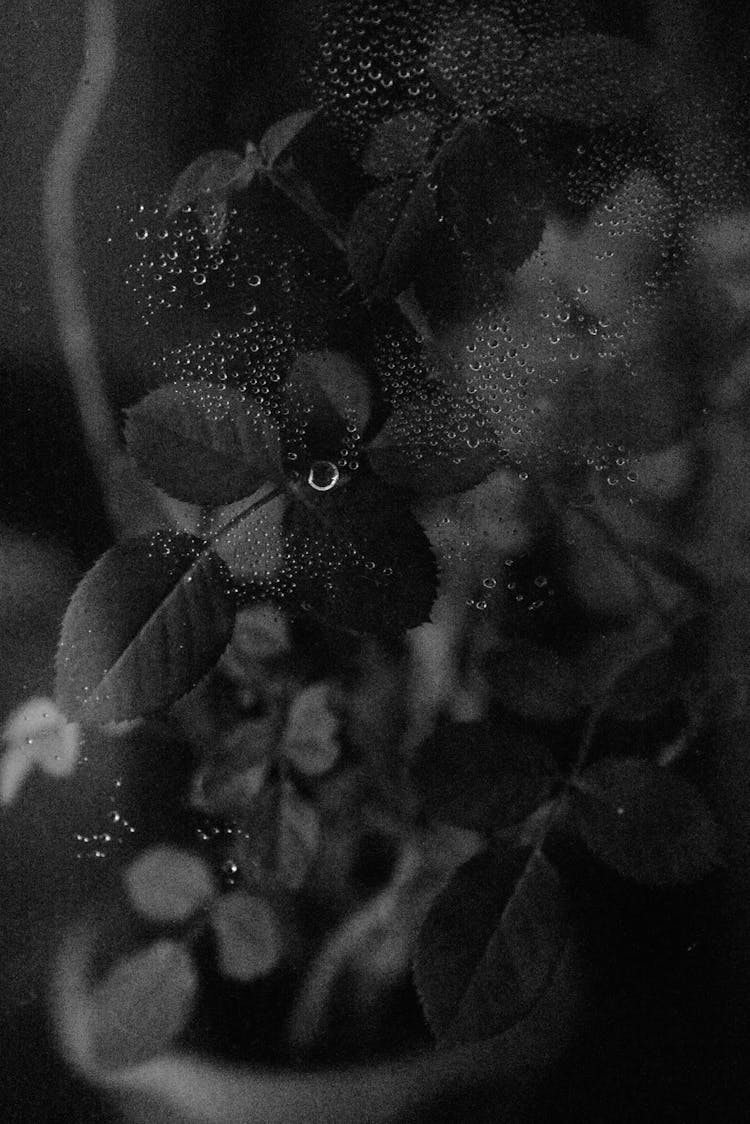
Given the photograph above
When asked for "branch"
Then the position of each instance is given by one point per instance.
(131, 504)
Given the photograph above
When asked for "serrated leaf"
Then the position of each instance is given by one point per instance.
(491, 945)
(359, 558)
(535, 682)
(587, 79)
(387, 234)
(248, 938)
(483, 776)
(167, 884)
(645, 822)
(142, 1005)
(210, 178)
(310, 739)
(203, 443)
(298, 837)
(280, 135)
(399, 145)
(490, 195)
(145, 624)
(434, 445)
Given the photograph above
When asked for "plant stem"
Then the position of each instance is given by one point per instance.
(131, 504)
(298, 191)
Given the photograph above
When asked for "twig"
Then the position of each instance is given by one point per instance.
(131, 504)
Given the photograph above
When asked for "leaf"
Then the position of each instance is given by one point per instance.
(482, 776)
(358, 558)
(280, 135)
(203, 443)
(210, 179)
(434, 445)
(399, 145)
(310, 740)
(387, 234)
(145, 624)
(490, 194)
(587, 79)
(474, 59)
(491, 945)
(142, 1005)
(535, 682)
(167, 884)
(36, 734)
(298, 837)
(647, 686)
(324, 393)
(248, 938)
(646, 823)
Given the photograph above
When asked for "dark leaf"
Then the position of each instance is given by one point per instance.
(358, 558)
(203, 443)
(647, 823)
(587, 80)
(142, 1005)
(483, 776)
(387, 234)
(166, 884)
(474, 59)
(145, 624)
(435, 445)
(490, 195)
(210, 178)
(280, 135)
(647, 686)
(535, 682)
(325, 392)
(399, 145)
(248, 939)
(491, 945)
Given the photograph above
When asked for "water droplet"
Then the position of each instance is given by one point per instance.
(323, 476)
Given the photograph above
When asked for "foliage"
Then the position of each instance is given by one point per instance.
(495, 479)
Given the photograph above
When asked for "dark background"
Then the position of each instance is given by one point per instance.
(192, 76)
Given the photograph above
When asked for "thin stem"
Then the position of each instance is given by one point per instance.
(298, 192)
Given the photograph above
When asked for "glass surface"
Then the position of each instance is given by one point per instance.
(376, 374)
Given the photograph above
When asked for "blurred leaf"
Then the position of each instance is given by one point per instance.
(535, 682)
(434, 445)
(203, 443)
(490, 195)
(475, 59)
(248, 939)
(210, 179)
(647, 686)
(280, 135)
(145, 624)
(646, 823)
(399, 145)
(587, 79)
(166, 884)
(359, 559)
(142, 1005)
(491, 945)
(483, 776)
(298, 837)
(310, 739)
(387, 234)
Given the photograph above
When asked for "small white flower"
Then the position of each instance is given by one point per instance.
(37, 734)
